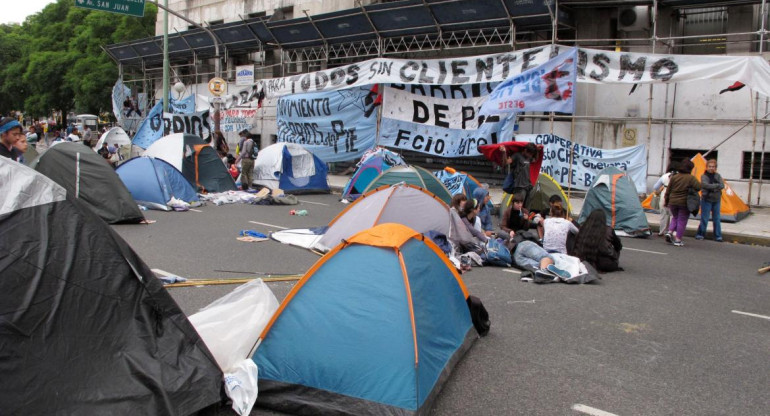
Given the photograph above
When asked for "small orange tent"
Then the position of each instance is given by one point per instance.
(733, 209)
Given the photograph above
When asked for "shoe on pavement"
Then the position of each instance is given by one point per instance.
(668, 237)
(698, 237)
(679, 243)
(558, 272)
(719, 240)
(542, 276)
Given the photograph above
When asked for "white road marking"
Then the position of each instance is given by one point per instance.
(196, 210)
(512, 271)
(314, 203)
(590, 410)
(162, 272)
(645, 251)
(752, 314)
(269, 225)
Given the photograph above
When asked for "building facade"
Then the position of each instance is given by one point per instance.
(282, 38)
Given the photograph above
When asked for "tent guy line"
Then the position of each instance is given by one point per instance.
(590, 410)
(268, 225)
(196, 210)
(751, 314)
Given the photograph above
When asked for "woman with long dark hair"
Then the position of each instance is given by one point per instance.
(681, 184)
(597, 244)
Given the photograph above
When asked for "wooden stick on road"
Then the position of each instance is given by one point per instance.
(211, 282)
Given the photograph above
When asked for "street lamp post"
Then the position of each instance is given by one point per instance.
(217, 60)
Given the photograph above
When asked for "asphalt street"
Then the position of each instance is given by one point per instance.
(682, 331)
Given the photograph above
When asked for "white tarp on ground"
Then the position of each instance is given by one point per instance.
(402, 204)
(594, 66)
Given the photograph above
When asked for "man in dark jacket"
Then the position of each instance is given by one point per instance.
(711, 201)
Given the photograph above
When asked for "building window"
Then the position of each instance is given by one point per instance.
(765, 167)
(216, 22)
(257, 14)
(677, 155)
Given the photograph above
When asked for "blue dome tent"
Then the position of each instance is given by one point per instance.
(153, 182)
(382, 341)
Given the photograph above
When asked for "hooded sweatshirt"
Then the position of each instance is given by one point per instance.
(484, 215)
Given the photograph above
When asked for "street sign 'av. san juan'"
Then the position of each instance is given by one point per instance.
(129, 7)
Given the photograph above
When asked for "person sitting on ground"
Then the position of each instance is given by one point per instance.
(458, 203)
(531, 257)
(516, 222)
(468, 215)
(481, 195)
(553, 201)
(555, 230)
(597, 244)
(104, 151)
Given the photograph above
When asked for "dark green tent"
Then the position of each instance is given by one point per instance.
(90, 179)
(614, 193)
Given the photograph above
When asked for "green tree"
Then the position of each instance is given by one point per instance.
(55, 61)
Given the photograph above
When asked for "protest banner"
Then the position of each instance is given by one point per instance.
(236, 119)
(593, 66)
(335, 126)
(547, 87)
(587, 161)
(440, 120)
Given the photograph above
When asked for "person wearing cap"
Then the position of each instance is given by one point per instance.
(10, 132)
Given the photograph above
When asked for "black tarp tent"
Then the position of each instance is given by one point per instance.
(85, 326)
(89, 178)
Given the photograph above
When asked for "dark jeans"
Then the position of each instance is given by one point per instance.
(711, 209)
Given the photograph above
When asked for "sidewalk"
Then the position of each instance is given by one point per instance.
(754, 229)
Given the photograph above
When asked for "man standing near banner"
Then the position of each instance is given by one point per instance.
(247, 162)
(519, 167)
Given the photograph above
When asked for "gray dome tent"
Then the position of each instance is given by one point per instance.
(89, 178)
(86, 328)
(614, 193)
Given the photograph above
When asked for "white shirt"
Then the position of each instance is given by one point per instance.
(555, 234)
(73, 137)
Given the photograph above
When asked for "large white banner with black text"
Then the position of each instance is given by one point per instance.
(593, 66)
(440, 120)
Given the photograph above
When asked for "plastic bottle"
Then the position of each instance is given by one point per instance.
(301, 212)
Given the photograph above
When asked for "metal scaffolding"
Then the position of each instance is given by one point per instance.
(421, 29)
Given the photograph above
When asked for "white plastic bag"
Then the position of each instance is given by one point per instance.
(231, 325)
(241, 386)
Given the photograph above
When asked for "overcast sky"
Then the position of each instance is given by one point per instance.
(15, 11)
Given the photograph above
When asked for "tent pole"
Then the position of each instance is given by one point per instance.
(754, 108)
(654, 40)
(762, 155)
